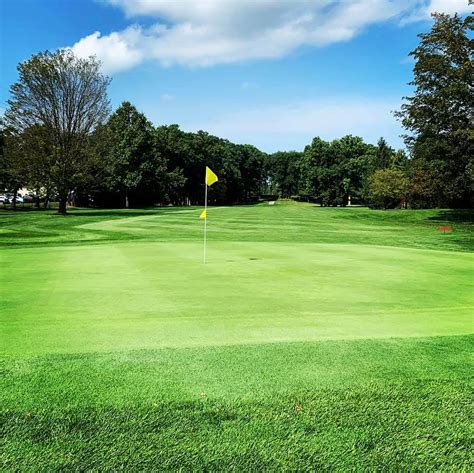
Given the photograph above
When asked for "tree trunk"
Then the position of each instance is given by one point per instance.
(126, 201)
(15, 192)
(62, 204)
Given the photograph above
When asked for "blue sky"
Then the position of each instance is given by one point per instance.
(273, 73)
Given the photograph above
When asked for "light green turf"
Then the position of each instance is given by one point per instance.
(153, 295)
(313, 339)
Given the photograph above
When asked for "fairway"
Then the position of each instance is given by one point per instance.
(314, 338)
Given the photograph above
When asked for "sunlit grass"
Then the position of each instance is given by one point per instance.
(313, 339)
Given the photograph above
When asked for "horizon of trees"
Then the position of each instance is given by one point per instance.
(59, 140)
(133, 163)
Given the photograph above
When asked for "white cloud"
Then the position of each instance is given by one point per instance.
(117, 51)
(449, 6)
(426, 8)
(299, 122)
(203, 33)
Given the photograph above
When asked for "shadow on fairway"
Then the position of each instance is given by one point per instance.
(20, 208)
(107, 213)
(459, 218)
(454, 215)
(121, 212)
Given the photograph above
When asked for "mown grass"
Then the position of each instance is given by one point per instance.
(277, 223)
(314, 339)
(395, 404)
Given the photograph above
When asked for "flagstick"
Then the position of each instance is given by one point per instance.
(205, 221)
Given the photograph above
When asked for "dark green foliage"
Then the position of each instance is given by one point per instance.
(170, 143)
(383, 155)
(283, 173)
(239, 167)
(12, 160)
(439, 115)
(4, 167)
(133, 161)
(335, 171)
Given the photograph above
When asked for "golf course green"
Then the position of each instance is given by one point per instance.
(313, 339)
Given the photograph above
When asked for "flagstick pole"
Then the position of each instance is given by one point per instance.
(205, 221)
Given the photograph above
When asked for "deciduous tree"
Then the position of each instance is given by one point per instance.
(439, 116)
(387, 188)
(68, 97)
(133, 161)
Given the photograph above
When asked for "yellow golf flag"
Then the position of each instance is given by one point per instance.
(203, 214)
(210, 177)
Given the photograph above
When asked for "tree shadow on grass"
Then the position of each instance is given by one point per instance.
(107, 213)
(20, 208)
(82, 212)
(461, 220)
(124, 213)
(463, 216)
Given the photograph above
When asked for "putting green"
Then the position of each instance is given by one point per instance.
(154, 295)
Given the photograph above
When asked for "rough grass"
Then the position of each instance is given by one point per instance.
(394, 404)
(332, 339)
(393, 426)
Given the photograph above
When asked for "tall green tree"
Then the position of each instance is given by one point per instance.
(239, 167)
(352, 160)
(133, 161)
(333, 172)
(172, 144)
(38, 162)
(316, 160)
(12, 161)
(251, 163)
(67, 96)
(4, 164)
(283, 170)
(384, 155)
(439, 116)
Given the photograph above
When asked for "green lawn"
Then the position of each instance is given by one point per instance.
(331, 339)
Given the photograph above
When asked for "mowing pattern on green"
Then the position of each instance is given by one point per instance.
(150, 295)
(333, 339)
(277, 223)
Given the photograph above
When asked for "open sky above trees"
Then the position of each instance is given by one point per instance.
(312, 70)
(58, 139)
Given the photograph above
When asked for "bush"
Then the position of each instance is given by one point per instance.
(387, 188)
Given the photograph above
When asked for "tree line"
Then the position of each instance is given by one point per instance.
(59, 139)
